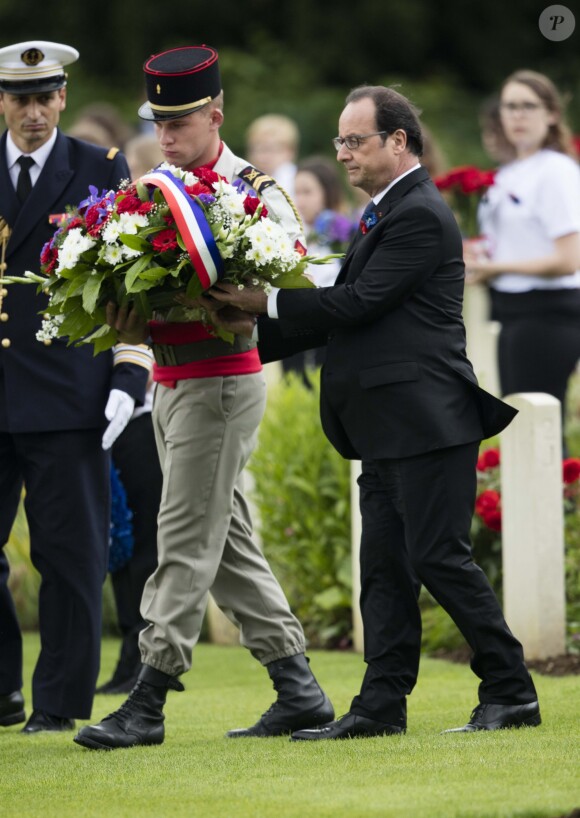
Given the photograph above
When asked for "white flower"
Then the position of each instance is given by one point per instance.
(189, 178)
(131, 222)
(74, 245)
(128, 252)
(111, 231)
(49, 328)
(113, 254)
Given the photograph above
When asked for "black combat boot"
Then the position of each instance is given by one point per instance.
(301, 701)
(139, 720)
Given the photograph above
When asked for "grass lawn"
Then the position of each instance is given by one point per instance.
(531, 772)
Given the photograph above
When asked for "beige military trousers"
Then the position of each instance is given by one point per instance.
(205, 430)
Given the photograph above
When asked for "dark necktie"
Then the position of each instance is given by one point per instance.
(24, 184)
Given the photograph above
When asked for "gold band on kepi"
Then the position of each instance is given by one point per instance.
(34, 67)
(176, 77)
(179, 109)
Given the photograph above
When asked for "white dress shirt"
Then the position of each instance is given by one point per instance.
(40, 155)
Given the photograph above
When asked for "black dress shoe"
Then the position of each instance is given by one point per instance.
(500, 717)
(41, 722)
(12, 709)
(349, 726)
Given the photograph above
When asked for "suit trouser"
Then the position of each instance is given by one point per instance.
(416, 517)
(205, 430)
(67, 482)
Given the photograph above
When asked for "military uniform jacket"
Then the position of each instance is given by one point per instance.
(55, 387)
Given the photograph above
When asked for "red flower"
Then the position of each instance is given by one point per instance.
(467, 179)
(488, 459)
(210, 177)
(49, 257)
(251, 204)
(76, 222)
(198, 188)
(128, 204)
(571, 469)
(165, 240)
(492, 519)
(487, 501)
(92, 216)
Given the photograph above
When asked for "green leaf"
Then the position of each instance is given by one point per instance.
(292, 281)
(145, 283)
(194, 288)
(135, 242)
(133, 272)
(76, 324)
(155, 273)
(142, 191)
(91, 292)
(76, 286)
(103, 338)
(143, 305)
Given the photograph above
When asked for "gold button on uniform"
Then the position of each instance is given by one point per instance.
(47, 342)
(3, 316)
(3, 292)
(5, 342)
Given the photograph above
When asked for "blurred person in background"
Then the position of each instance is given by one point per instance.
(531, 220)
(143, 154)
(101, 123)
(272, 144)
(321, 201)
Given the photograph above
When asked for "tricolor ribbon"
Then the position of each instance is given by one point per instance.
(192, 224)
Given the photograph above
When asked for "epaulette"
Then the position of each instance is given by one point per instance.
(112, 153)
(256, 179)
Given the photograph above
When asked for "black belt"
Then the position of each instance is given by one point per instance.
(178, 354)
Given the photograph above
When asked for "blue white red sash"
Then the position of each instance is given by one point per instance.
(192, 224)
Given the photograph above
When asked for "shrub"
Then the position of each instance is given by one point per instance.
(487, 547)
(302, 495)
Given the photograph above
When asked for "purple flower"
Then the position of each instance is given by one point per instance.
(206, 198)
(96, 198)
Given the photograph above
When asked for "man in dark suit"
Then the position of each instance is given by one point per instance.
(399, 393)
(54, 401)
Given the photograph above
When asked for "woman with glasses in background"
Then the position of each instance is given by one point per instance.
(531, 219)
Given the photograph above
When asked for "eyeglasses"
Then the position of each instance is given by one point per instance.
(520, 107)
(353, 142)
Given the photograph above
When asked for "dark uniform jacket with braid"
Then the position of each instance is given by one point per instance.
(55, 387)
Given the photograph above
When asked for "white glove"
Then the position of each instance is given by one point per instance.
(118, 411)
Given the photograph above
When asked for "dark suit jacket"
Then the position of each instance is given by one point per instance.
(50, 388)
(397, 381)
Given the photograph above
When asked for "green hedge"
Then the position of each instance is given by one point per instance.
(302, 494)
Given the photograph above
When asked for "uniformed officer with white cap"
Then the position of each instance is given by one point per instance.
(54, 400)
